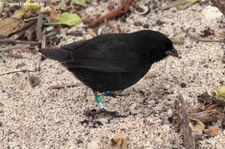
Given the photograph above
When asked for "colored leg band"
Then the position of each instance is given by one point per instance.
(98, 99)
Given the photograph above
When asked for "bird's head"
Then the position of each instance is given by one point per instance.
(157, 45)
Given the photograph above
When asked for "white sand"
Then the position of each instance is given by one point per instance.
(43, 118)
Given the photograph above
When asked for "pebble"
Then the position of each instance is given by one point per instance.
(103, 120)
(92, 145)
(211, 13)
(132, 106)
(150, 101)
(170, 112)
(159, 140)
(50, 28)
(166, 127)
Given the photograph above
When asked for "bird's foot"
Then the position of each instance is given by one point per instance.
(94, 112)
(112, 94)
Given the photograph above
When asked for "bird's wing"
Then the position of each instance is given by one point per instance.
(75, 45)
(108, 56)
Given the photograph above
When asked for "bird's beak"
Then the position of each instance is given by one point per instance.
(172, 52)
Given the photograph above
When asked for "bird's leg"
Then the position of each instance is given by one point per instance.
(93, 112)
(98, 99)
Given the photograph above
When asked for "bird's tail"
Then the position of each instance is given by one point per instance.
(60, 55)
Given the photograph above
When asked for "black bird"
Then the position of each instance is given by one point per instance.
(112, 62)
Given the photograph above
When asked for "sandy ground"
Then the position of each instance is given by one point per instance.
(38, 117)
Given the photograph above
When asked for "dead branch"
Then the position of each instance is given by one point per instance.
(11, 41)
(121, 10)
(189, 141)
(39, 27)
(7, 49)
(16, 71)
(64, 86)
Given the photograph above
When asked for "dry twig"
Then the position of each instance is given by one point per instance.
(64, 86)
(121, 10)
(13, 48)
(189, 141)
(16, 71)
(43, 42)
(11, 41)
(38, 28)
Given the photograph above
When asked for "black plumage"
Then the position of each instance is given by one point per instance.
(113, 62)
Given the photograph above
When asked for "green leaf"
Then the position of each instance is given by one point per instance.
(186, 4)
(66, 18)
(33, 6)
(221, 93)
(2, 5)
(80, 2)
(18, 14)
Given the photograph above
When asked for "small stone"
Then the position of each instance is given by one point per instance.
(50, 28)
(80, 141)
(170, 113)
(132, 106)
(166, 127)
(92, 145)
(103, 120)
(211, 13)
(145, 26)
(149, 101)
(183, 85)
(158, 140)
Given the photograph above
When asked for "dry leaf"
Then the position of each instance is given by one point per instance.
(91, 32)
(193, 110)
(197, 126)
(212, 132)
(207, 116)
(84, 16)
(211, 99)
(211, 107)
(55, 14)
(9, 26)
(120, 141)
